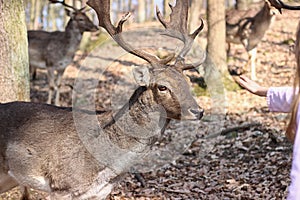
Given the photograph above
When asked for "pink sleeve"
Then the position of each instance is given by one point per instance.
(279, 99)
(294, 189)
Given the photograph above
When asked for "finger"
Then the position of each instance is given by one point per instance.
(245, 78)
(240, 80)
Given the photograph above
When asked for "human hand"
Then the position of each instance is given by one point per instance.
(251, 86)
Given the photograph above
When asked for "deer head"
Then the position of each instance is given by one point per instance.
(78, 17)
(165, 81)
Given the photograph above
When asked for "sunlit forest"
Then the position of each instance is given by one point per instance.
(212, 137)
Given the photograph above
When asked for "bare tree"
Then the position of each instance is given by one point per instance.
(35, 13)
(51, 18)
(152, 12)
(141, 11)
(129, 6)
(216, 44)
(32, 7)
(119, 5)
(14, 66)
(215, 64)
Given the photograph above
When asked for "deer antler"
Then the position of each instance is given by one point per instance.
(102, 8)
(177, 26)
(64, 4)
(280, 5)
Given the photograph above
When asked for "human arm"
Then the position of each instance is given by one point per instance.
(279, 99)
(252, 86)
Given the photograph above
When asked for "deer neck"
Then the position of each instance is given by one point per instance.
(72, 38)
(265, 15)
(140, 121)
(259, 26)
(73, 33)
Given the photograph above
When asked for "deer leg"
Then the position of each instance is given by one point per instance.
(58, 84)
(7, 183)
(101, 187)
(228, 49)
(25, 193)
(51, 80)
(252, 60)
(27, 172)
(245, 44)
(59, 196)
(32, 71)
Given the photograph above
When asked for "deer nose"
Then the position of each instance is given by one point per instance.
(198, 113)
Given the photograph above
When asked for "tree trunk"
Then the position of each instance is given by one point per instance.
(242, 4)
(152, 10)
(215, 64)
(37, 15)
(195, 9)
(32, 14)
(119, 6)
(124, 6)
(51, 18)
(216, 39)
(129, 5)
(141, 11)
(14, 63)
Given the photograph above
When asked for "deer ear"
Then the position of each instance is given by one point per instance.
(69, 13)
(141, 75)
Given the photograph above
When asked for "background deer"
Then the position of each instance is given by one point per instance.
(249, 31)
(54, 51)
(42, 147)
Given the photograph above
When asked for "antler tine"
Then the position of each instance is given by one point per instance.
(64, 4)
(280, 5)
(177, 26)
(102, 8)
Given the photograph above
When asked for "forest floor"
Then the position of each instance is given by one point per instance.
(237, 151)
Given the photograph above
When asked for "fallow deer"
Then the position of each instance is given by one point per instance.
(54, 51)
(249, 30)
(74, 154)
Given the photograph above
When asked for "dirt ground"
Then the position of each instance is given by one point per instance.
(237, 153)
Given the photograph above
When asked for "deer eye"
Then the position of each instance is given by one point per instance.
(162, 88)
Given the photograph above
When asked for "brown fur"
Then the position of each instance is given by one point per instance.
(41, 146)
(55, 50)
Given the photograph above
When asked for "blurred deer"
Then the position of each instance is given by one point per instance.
(41, 146)
(249, 31)
(54, 51)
